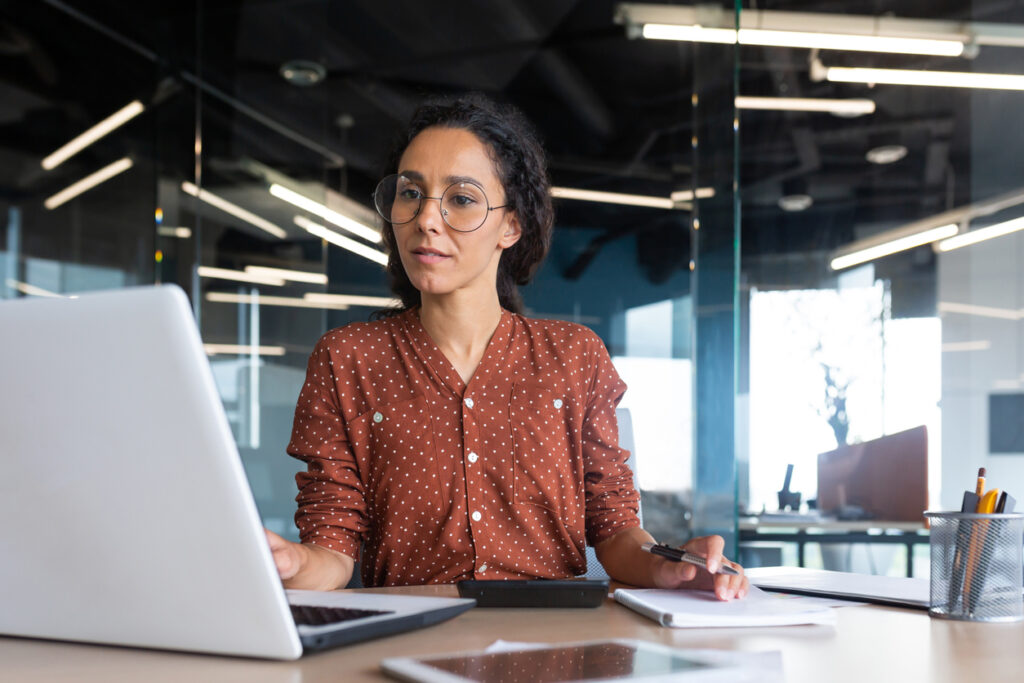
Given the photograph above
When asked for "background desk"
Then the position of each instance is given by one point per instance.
(834, 531)
(869, 643)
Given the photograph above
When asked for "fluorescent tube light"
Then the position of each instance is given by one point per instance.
(233, 209)
(842, 107)
(88, 182)
(980, 345)
(893, 246)
(688, 195)
(329, 215)
(982, 311)
(311, 300)
(805, 39)
(240, 276)
(613, 197)
(264, 300)
(243, 349)
(170, 231)
(341, 241)
(286, 274)
(981, 234)
(32, 290)
(352, 299)
(77, 144)
(942, 79)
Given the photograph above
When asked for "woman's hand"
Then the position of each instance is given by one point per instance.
(309, 566)
(289, 557)
(670, 574)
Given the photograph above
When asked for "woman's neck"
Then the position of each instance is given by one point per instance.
(461, 327)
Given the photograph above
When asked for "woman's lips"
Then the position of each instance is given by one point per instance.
(429, 255)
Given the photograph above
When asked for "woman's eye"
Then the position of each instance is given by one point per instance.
(410, 194)
(463, 200)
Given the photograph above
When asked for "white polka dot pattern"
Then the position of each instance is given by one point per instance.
(506, 477)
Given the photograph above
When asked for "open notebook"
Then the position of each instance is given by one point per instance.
(689, 608)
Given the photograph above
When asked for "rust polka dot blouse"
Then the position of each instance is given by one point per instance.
(438, 480)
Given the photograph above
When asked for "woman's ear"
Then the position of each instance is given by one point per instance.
(513, 231)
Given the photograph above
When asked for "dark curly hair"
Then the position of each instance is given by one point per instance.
(521, 166)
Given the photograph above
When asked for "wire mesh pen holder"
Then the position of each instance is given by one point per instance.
(977, 569)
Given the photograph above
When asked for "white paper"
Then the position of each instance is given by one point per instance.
(689, 608)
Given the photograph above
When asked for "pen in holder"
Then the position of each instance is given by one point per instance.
(977, 568)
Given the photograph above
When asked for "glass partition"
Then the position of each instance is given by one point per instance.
(879, 281)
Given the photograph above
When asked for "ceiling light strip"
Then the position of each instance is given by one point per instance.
(264, 300)
(286, 274)
(171, 231)
(341, 241)
(856, 107)
(982, 311)
(87, 183)
(353, 299)
(689, 195)
(804, 39)
(233, 209)
(243, 349)
(238, 275)
(329, 215)
(612, 198)
(104, 127)
(941, 79)
(979, 345)
(32, 290)
(893, 246)
(981, 234)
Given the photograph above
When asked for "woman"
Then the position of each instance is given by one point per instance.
(454, 438)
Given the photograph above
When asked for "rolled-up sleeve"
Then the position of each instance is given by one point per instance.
(612, 501)
(331, 499)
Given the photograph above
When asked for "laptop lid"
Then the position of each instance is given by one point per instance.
(126, 514)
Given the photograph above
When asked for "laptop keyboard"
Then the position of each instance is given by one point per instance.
(310, 615)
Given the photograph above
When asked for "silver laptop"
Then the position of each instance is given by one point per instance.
(125, 515)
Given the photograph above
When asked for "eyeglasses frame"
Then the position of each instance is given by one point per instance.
(443, 211)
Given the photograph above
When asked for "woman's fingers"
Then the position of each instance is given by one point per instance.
(725, 586)
(286, 557)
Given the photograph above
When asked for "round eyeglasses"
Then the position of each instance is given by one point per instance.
(464, 205)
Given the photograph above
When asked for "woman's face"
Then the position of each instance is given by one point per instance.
(438, 260)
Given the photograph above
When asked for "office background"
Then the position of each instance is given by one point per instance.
(250, 135)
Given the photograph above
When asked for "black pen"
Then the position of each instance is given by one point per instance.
(678, 555)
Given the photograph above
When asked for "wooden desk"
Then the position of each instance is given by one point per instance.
(869, 643)
(834, 531)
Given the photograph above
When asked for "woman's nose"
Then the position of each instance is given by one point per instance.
(430, 217)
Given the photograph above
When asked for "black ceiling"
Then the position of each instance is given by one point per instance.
(615, 113)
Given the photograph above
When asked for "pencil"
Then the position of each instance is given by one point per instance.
(979, 488)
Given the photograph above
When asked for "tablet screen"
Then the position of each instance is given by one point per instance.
(566, 663)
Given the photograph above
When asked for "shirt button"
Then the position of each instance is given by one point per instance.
(476, 516)
(469, 403)
(378, 417)
(558, 403)
(472, 457)
(483, 567)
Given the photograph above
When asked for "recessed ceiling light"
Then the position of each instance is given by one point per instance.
(303, 72)
(795, 202)
(886, 154)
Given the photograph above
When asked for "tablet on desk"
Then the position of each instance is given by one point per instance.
(603, 660)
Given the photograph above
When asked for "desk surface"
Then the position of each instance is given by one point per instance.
(869, 643)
